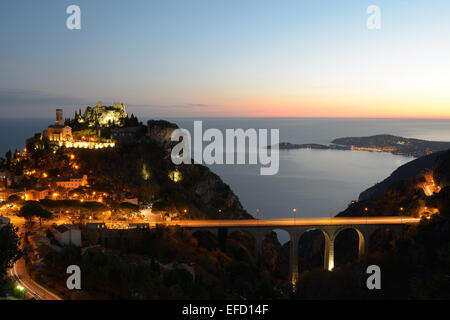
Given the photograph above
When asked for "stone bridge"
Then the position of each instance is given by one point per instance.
(330, 228)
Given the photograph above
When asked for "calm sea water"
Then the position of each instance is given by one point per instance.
(317, 183)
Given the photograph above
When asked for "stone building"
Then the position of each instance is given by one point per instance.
(67, 234)
(72, 183)
(103, 116)
(58, 131)
(37, 194)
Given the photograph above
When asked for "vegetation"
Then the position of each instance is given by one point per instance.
(9, 248)
(141, 267)
(32, 209)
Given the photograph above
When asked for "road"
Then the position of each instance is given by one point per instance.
(19, 273)
(36, 291)
(294, 222)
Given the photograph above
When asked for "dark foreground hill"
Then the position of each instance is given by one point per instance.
(405, 172)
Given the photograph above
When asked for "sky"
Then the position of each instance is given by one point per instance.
(227, 58)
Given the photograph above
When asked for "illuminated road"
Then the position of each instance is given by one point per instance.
(36, 291)
(19, 273)
(294, 222)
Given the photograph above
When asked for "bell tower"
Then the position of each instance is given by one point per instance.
(59, 117)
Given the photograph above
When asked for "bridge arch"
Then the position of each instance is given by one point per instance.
(354, 241)
(312, 246)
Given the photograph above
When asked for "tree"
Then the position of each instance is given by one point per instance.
(8, 156)
(33, 209)
(124, 210)
(14, 199)
(9, 248)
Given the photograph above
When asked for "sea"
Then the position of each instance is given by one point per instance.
(317, 183)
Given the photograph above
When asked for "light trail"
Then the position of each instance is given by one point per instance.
(295, 222)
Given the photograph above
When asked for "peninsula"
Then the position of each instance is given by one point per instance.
(378, 143)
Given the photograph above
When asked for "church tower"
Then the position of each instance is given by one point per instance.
(59, 117)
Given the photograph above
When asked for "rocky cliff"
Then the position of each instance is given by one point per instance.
(201, 186)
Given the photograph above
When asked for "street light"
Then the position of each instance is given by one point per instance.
(293, 213)
(366, 210)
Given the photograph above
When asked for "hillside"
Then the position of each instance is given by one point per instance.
(409, 190)
(144, 169)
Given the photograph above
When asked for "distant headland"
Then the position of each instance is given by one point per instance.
(378, 143)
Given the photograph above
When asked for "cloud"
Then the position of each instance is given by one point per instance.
(38, 104)
(185, 106)
(180, 106)
(18, 97)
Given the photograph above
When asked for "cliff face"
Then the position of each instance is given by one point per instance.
(160, 131)
(215, 193)
(211, 195)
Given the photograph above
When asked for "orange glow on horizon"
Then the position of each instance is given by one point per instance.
(347, 104)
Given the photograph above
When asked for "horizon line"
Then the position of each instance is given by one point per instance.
(259, 117)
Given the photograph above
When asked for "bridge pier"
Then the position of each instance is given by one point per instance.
(329, 253)
(293, 257)
(258, 234)
(363, 244)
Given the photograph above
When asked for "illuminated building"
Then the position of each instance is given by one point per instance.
(58, 131)
(61, 135)
(87, 144)
(36, 194)
(103, 116)
(73, 182)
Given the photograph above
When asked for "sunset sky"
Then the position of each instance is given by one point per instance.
(214, 58)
